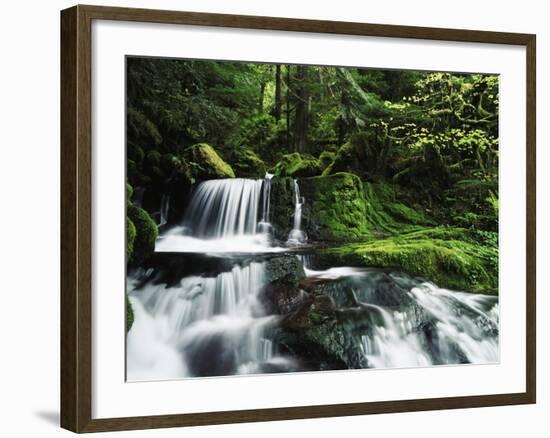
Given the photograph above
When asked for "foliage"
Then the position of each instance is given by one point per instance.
(379, 154)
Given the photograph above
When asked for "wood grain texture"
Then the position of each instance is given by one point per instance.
(76, 222)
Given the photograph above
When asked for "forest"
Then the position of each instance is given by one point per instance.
(387, 169)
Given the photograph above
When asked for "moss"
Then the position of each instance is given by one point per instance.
(342, 161)
(326, 158)
(129, 192)
(130, 238)
(297, 165)
(335, 207)
(211, 165)
(451, 257)
(386, 214)
(146, 233)
(282, 206)
(129, 315)
(248, 164)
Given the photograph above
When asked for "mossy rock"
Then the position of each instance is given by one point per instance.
(129, 192)
(248, 164)
(387, 214)
(145, 236)
(284, 269)
(343, 160)
(298, 166)
(360, 155)
(450, 257)
(335, 208)
(130, 238)
(129, 315)
(282, 206)
(326, 158)
(211, 165)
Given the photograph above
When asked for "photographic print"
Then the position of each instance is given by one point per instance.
(296, 218)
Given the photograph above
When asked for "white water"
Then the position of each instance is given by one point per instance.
(224, 216)
(465, 326)
(215, 325)
(225, 207)
(164, 208)
(176, 240)
(296, 235)
(176, 326)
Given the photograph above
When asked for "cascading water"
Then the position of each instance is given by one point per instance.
(414, 323)
(205, 315)
(296, 235)
(226, 215)
(226, 207)
(164, 208)
(264, 226)
(178, 330)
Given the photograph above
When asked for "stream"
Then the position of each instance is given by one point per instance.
(222, 296)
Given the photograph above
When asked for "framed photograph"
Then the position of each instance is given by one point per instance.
(270, 218)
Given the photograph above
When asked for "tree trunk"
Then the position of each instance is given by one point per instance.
(261, 98)
(301, 115)
(278, 103)
(288, 105)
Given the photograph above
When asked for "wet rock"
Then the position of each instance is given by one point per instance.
(286, 269)
(282, 206)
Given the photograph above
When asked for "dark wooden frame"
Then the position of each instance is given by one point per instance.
(76, 236)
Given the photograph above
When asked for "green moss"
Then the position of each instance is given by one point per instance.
(211, 164)
(386, 214)
(129, 315)
(335, 207)
(326, 158)
(130, 238)
(248, 164)
(129, 192)
(450, 257)
(146, 233)
(282, 206)
(342, 161)
(342, 207)
(297, 165)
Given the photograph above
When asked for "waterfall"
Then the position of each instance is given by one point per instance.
(413, 323)
(296, 235)
(225, 207)
(179, 330)
(264, 226)
(225, 215)
(164, 208)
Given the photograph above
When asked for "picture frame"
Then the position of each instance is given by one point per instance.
(77, 236)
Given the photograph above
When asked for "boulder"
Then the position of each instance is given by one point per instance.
(297, 165)
(146, 233)
(247, 164)
(334, 208)
(211, 165)
(282, 206)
